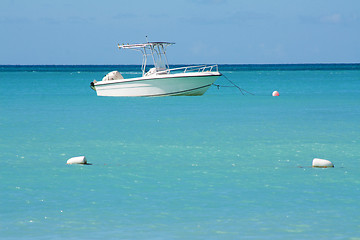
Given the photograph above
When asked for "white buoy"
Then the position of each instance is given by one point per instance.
(322, 163)
(77, 160)
(275, 94)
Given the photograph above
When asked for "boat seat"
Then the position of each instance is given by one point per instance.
(114, 75)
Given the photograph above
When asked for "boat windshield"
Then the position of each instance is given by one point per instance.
(156, 49)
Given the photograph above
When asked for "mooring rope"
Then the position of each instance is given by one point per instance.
(234, 85)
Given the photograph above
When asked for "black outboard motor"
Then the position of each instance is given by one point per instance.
(92, 85)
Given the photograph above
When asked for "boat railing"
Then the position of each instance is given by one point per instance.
(199, 68)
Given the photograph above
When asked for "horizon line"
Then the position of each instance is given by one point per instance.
(245, 64)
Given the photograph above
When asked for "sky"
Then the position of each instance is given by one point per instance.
(84, 32)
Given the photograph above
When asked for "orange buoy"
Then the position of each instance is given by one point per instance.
(275, 93)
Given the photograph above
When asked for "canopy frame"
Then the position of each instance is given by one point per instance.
(157, 50)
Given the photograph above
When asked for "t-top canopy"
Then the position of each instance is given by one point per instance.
(143, 45)
(157, 50)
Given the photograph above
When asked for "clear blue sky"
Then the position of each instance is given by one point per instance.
(205, 31)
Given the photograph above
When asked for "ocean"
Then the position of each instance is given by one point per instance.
(219, 166)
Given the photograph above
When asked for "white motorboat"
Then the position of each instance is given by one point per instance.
(159, 80)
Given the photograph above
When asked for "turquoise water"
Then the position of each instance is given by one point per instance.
(220, 166)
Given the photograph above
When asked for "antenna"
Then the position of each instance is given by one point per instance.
(147, 39)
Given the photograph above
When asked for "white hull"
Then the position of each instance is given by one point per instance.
(179, 84)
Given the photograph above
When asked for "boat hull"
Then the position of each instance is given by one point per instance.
(184, 84)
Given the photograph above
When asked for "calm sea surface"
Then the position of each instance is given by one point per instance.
(220, 166)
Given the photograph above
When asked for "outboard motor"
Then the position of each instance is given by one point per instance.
(92, 85)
